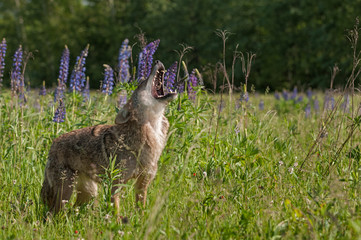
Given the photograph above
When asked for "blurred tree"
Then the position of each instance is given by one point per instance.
(296, 42)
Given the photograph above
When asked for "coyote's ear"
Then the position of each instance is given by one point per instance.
(123, 116)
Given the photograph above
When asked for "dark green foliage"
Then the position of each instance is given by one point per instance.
(296, 42)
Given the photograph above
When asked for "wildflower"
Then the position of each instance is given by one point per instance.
(299, 99)
(277, 96)
(122, 100)
(170, 75)
(2, 59)
(221, 197)
(121, 233)
(308, 110)
(329, 101)
(261, 105)
(17, 81)
(76, 231)
(205, 174)
(309, 93)
(123, 63)
(59, 91)
(146, 59)
(86, 91)
(60, 113)
(77, 78)
(42, 91)
(194, 174)
(244, 97)
(192, 83)
(280, 163)
(291, 170)
(108, 82)
(64, 66)
(316, 105)
(285, 95)
(294, 93)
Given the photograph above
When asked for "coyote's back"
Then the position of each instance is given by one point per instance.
(136, 141)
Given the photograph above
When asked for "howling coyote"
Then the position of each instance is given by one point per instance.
(135, 141)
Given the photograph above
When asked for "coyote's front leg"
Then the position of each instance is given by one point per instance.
(141, 186)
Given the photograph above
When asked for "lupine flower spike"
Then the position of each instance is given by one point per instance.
(261, 105)
(63, 75)
(17, 81)
(169, 77)
(108, 82)
(123, 63)
(192, 83)
(64, 66)
(308, 110)
(86, 91)
(2, 59)
(77, 78)
(122, 99)
(60, 112)
(294, 93)
(285, 95)
(146, 60)
(42, 91)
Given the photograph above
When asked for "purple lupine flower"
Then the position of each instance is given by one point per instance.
(308, 110)
(17, 80)
(42, 91)
(2, 59)
(285, 95)
(60, 112)
(86, 91)
(261, 105)
(244, 97)
(316, 105)
(122, 100)
(170, 75)
(294, 93)
(123, 63)
(277, 96)
(329, 101)
(77, 78)
(309, 93)
(146, 59)
(299, 99)
(192, 83)
(59, 91)
(108, 82)
(64, 66)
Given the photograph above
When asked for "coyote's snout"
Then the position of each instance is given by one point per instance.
(136, 141)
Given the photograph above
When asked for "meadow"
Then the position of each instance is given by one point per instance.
(231, 169)
(237, 165)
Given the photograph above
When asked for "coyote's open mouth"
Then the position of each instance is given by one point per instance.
(158, 89)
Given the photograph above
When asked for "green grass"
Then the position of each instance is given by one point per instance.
(246, 183)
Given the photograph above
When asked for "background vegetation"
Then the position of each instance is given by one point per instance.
(296, 42)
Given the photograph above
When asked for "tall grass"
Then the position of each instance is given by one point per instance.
(240, 186)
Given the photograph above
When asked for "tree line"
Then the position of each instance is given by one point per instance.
(296, 42)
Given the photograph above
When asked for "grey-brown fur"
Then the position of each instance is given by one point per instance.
(136, 140)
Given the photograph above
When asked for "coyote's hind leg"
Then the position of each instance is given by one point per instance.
(86, 189)
(63, 185)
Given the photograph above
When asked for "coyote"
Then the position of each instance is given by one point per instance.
(136, 140)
